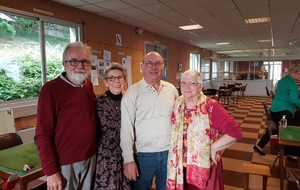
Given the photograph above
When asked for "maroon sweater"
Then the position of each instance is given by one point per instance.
(66, 124)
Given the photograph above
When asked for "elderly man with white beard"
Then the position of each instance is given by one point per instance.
(66, 123)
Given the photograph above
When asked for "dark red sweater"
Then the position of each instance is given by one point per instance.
(66, 124)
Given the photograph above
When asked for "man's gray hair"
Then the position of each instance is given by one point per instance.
(76, 45)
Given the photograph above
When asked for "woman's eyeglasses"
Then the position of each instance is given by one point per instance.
(75, 62)
(188, 84)
(113, 78)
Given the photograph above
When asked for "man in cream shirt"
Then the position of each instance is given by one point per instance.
(146, 110)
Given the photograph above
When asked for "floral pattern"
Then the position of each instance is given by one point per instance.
(109, 171)
(194, 124)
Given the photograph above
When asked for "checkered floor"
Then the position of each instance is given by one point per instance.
(249, 113)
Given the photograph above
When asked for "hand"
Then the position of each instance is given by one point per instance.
(54, 182)
(131, 171)
(215, 155)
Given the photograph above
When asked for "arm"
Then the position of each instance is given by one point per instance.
(224, 142)
(127, 135)
(45, 131)
(224, 123)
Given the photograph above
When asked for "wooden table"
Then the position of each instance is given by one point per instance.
(12, 161)
(287, 136)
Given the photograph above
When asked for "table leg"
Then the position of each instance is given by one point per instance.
(23, 184)
(281, 167)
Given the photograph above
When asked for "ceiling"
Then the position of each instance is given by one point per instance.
(222, 21)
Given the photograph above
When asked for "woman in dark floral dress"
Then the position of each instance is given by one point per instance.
(109, 169)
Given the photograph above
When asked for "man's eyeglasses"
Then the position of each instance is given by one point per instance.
(75, 62)
(152, 64)
(188, 84)
(113, 78)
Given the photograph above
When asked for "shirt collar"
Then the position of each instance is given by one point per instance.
(64, 78)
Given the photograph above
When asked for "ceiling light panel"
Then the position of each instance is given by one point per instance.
(191, 27)
(258, 20)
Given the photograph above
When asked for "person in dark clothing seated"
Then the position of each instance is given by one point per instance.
(285, 103)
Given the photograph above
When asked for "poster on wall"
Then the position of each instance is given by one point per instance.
(102, 65)
(106, 55)
(94, 70)
(126, 62)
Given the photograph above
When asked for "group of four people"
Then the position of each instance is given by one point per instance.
(121, 141)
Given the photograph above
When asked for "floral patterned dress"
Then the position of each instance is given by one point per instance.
(193, 131)
(109, 169)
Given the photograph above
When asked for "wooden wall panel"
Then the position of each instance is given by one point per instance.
(117, 53)
(25, 122)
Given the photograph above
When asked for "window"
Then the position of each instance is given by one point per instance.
(216, 75)
(221, 70)
(273, 70)
(205, 67)
(195, 61)
(31, 53)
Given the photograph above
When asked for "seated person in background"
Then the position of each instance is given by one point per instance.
(285, 103)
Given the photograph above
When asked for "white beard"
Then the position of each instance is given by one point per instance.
(78, 78)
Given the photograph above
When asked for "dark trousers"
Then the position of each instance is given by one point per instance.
(276, 117)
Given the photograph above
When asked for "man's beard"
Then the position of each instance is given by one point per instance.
(78, 77)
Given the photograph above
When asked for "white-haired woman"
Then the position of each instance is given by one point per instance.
(196, 146)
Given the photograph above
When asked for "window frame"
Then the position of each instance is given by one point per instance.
(27, 107)
(195, 61)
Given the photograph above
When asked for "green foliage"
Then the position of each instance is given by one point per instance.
(31, 79)
(7, 87)
(54, 68)
(6, 29)
(26, 27)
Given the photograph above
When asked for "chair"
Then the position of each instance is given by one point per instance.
(295, 184)
(243, 89)
(225, 94)
(268, 93)
(274, 145)
(267, 111)
(9, 140)
(210, 92)
(272, 94)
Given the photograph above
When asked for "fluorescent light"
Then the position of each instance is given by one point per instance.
(222, 43)
(257, 20)
(262, 41)
(191, 27)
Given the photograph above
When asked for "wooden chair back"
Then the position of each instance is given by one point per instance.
(9, 140)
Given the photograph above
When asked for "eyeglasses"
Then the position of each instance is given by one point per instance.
(188, 84)
(75, 62)
(113, 78)
(151, 64)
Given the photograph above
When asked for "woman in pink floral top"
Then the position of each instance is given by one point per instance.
(201, 130)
